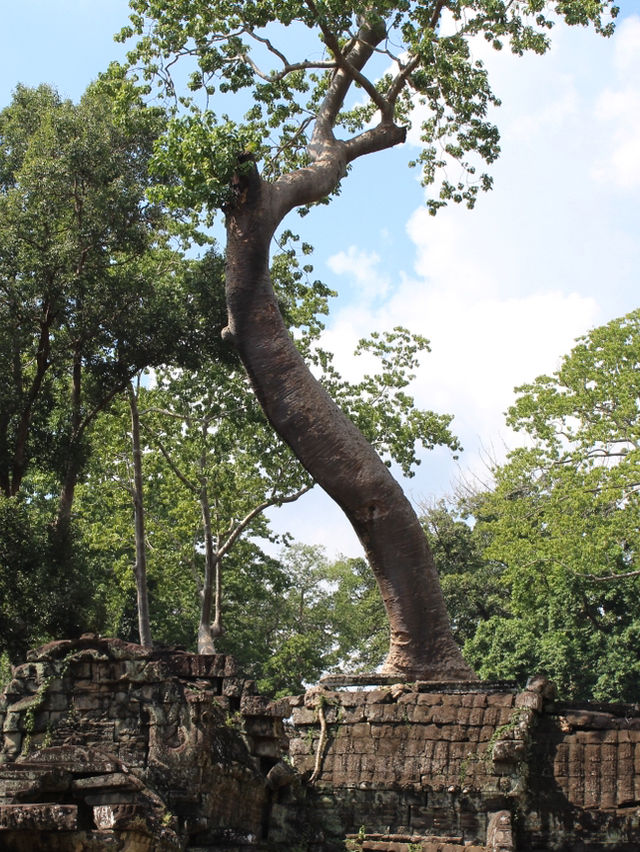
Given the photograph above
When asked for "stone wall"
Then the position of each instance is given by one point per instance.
(107, 743)
(410, 761)
(470, 766)
(110, 746)
(584, 778)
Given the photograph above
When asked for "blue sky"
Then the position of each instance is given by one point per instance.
(501, 291)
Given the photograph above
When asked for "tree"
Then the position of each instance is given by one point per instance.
(284, 155)
(216, 445)
(204, 433)
(563, 521)
(472, 584)
(90, 293)
(137, 493)
(89, 289)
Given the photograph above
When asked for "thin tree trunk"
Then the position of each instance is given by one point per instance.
(208, 630)
(67, 493)
(19, 459)
(332, 449)
(140, 568)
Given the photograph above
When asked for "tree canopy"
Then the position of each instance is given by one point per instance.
(563, 521)
(88, 291)
(89, 295)
(286, 57)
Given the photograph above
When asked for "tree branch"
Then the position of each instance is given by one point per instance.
(183, 479)
(288, 67)
(625, 576)
(359, 55)
(257, 510)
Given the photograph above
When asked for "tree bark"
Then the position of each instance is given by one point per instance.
(209, 628)
(140, 568)
(326, 442)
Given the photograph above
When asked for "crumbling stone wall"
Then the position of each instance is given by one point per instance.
(108, 743)
(413, 763)
(584, 779)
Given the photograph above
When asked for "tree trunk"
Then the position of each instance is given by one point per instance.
(208, 630)
(333, 450)
(140, 568)
(72, 469)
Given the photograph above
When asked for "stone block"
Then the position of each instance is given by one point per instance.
(463, 715)
(530, 700)
(230, 666)
(421, 713)
(106, 782)
(476, 716)
(508, 751)
(304, 716)
(13, 721)
(500, 699)
(428, 699)
(408, 698)
(486, 733)
(254, 705)
(210, 665)
(491, 716)
(378, 696)
(376, 712)
(86, 702)
(12, 742)
(361, 730)
(444, 715)
(354, 713)
(38, 817)
(232, 687)
(348, 698)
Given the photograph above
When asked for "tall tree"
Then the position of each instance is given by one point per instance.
(563, 521)
(285, 154)
(88, 285)
(137, 493)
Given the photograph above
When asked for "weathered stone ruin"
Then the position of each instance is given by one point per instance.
(472, 766)
(111, 746)
(108, 745)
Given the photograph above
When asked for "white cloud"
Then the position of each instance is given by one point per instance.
(627, 47)
(617, 111)
(482, 344)
(362, 267)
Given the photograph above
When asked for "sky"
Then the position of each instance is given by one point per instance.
(501, 291)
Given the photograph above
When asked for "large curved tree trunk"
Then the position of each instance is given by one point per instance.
(333, 450)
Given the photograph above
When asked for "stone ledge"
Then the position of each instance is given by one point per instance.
(373, 679)
(408, 843)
